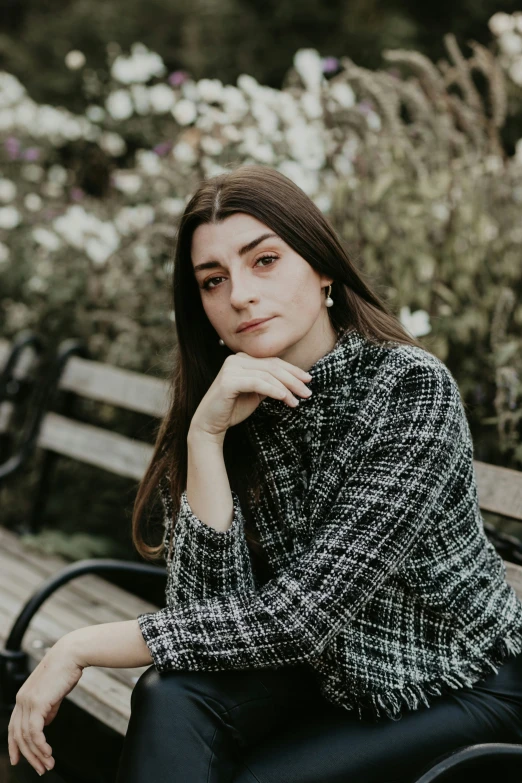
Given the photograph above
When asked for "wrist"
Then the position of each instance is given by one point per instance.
(71, 647)
(199, 437)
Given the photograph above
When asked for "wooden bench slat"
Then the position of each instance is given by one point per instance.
(114, 385)
(95, 446)
(499, 489)
(87, 586)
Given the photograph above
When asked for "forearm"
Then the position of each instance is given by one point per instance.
(208, 488)
(114, 645)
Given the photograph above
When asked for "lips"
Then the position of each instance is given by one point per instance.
(255, 325)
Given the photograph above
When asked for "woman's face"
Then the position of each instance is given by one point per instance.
(248, 277)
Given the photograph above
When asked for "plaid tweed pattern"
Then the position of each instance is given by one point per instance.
(383, 581)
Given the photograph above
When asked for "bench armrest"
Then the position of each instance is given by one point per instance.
(14, 664)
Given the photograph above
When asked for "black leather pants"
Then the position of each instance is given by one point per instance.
(273, 726)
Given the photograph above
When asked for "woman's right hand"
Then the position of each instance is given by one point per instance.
(241, 384)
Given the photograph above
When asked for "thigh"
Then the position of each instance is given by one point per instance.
(192, 725)
(330, 745)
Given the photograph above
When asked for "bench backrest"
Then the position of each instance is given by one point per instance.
(95, 445)
(499, 489)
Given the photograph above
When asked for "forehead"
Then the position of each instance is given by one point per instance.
(236, 235)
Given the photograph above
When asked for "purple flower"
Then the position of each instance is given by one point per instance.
(177, 77)
(31, 153)
(365, 107)
(330, 64)
(12, 147)
(76, 194)
(162, 149)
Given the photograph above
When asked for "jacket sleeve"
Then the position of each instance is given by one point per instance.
(205, 562)
(418, 441)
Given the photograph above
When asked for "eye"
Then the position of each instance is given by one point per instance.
(207, 287)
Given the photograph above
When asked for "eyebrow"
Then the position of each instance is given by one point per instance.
(242, 251)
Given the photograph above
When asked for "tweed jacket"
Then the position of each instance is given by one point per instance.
(383, 582)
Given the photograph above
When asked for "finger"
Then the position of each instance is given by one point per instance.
(287, 382)
(288, 374)
(14, 750)
(265, 384)
(25, 743)
(39, 744)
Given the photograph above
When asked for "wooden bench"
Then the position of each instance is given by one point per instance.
(90, 599)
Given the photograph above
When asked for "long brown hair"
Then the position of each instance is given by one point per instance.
(280, 204)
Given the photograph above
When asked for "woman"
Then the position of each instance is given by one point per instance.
(334, 610)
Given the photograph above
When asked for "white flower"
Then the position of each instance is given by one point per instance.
(132, 219)
(312, 106)
(248, 84)
(343, 94)
(112, 144)
(510, 43)
(440, 211)
(161, 98)
(306, 144)
(184, 112)
(127, 182)
(184, 153)
(11, 90)
(211, 146)
(149, 162)
(85, 231)
(210, 90)
(373, 121)
(119, 105)
(72, 129)
(309, 66)
(37, 285)
(4, 253)
(306, 180)
(231, 133)
(46, 238)
(141, 66)
(48, 121)
(58, 174)
(234, 104)
(518, 151)
(140, 97)
(33, 172)
(417, 323)
(97, 251)
(7, 118)
(323, 202)
(267, 120)
(144, 260)
(172, 206)
(515, 71)
(75, 59)
(10, 217)
(7, 189)
(501, 23)
(95, 113)
(25, 113)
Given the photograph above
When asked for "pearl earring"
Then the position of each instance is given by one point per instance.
(329, 300)
(221, 342)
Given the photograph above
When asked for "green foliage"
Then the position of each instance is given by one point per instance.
(406, 161)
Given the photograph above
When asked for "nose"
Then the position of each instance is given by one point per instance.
(242, 292)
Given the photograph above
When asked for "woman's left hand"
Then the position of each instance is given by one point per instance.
(37, 703)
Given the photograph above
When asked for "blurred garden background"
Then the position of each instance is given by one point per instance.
(402, 121)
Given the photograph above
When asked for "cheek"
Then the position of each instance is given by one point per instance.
(303, 296)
